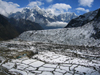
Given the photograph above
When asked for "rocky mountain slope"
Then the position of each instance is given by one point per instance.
(92, 17)
(87, 34)
(11, 28)
(43, 17)
(7, 31)
(84, 19)
(22, 25)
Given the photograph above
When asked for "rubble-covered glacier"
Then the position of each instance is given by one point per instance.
(37, 58)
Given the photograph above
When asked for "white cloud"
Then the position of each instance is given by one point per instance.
(85, 2)
(57, 24)
(34, 4)
(82, 9)
(58, 8)
(8, 7)
(49, 1)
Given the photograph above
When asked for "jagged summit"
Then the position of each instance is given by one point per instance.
(42, 17)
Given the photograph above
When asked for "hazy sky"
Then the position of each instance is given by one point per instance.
(55, 6)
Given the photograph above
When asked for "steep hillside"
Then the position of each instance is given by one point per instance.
(92, 17)
(11, 28)
(84, 19)
(7, 31)
(82, 35)
(22, 25)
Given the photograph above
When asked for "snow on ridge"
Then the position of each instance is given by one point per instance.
(69, 36)
(43, 17)
(88, 16)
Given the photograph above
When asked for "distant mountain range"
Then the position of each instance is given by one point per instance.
(11, 28)
(46, 19)
(82, 31)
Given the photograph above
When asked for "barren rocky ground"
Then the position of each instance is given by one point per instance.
(36, 58)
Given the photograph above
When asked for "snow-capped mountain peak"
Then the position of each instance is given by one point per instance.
(42, 16)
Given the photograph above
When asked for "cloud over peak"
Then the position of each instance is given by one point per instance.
(82, 9)
(35, 3)
(86, 2)
(8, 7)
(59, 8)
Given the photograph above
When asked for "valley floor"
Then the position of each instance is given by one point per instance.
(35, 58)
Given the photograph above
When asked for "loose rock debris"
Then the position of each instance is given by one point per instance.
(36, 59)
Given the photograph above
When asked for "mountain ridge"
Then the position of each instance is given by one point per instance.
(83, 19)
(24, 25)
(41, 16)
(11, 28)
(94, 17)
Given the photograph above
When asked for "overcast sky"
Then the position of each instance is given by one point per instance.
(55, 6)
